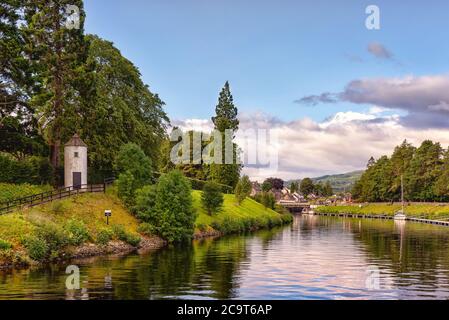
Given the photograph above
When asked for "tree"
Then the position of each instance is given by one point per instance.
(133, 160)
(268, 200)
(173, 216)
(226, 119)
(212, 197)
(134, 171)
(276, 183)
(306, 186)
(243, 189)
(57, 54)
(294, 187)
(327, 189)
(266, 186)
(132, 114)
(226, 112)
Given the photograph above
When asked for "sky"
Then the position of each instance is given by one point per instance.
(334, 92)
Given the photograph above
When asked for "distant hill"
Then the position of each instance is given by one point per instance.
(339, 182)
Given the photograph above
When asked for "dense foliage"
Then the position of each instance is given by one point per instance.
(171, 214)
(425, 171)
(212, 197)
(243, 189)
(55, 81)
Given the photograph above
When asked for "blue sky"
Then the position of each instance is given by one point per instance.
(361, 92)
(272, 52)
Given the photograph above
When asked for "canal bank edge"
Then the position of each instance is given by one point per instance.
(89, 208)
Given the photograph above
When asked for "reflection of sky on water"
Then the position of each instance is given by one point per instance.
(319, 258)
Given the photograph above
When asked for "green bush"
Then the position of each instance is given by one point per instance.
(145, 203)
(37, 248)
(33, 170)
(5, 245)
(77, 232)
(212, 198)
(173, 217)
(201, 226)
(104, 236)
(146, 229)
(126, 187)
(243, 189)
(268, 200)
(121, 234)
(133, 239)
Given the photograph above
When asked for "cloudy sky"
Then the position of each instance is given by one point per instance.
(333, 92)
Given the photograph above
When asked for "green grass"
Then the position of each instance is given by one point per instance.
(237, 218)
(423, 211)
(10, 191)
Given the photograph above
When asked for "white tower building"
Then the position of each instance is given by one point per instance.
(75, 163)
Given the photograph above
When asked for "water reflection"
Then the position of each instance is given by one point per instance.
(314, 258)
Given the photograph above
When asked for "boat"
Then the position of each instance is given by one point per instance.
(400, 215)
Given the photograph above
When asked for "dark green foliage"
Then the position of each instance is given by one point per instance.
(294, 187)
(275, 183)
(266, 186)
(212, 197)
(424, 171)
(145, 203)
(173, 216)
(306, 187)
(32, 170)
(243, 189)
(135, 171)
(226, 119)
(77, 232)
(146, 229)
(268, 200)
(46, 243)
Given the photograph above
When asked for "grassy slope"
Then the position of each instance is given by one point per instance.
(425, 211)
(88, 207)
(10, 191)
(232, 216)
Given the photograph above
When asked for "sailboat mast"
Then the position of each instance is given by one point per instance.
(402, 192)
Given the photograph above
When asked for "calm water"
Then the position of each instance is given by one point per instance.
(315, 258)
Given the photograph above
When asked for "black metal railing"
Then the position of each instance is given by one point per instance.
(48, 196)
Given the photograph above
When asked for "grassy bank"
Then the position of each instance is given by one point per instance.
(58, 229)
(234, 218)
(9, 191)
(423, 211)
(76, 227)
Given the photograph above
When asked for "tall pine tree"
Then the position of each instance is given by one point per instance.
(226, 119)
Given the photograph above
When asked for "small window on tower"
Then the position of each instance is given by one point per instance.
(76, 155)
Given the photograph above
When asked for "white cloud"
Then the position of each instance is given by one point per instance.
(341, 144)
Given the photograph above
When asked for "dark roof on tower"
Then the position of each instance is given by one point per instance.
(76, 142)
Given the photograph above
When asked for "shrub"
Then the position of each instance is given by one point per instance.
(243, 189)
(132, 159)
(104, 236)
(173, 217)
(126, 186)
(77, 232)
(212, 198)
(145, 203)
(146, 229)
(268, 200)
(33, 170)
(5, 245)
(201, 226)
(133, 239)
(55, 236)
(36, 247)
(121, 234)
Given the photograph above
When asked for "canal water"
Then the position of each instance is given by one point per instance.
(314, 258)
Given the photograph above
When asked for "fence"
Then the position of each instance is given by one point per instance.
(45, 197)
